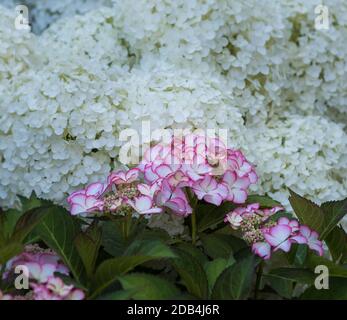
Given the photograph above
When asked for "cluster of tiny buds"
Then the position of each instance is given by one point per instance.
(128, 191)
(35, 248)
(251, 227)
(111, 202)
(115, 201)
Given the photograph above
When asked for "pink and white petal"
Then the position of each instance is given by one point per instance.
(77, 294)
(242, 183)
(253, 178)
(177, 205)
(79, 199)
(262, 249)
(285, 246)
(215, 199)
(74, 194)
(283, 220)
(317, 247)
(143, 203)
(163, 170)
(299, 239)
(34, 269)
(150, 175)
(277, 234)
(77, 209)
(132, 174)
(253, 206)
(239, 196)
(229, 178)
(222, 190)
(95, 189)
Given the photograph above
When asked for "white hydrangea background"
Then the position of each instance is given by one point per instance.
(92, 68)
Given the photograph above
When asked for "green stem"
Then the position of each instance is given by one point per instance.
(258, 280)
(193, 201)
(127, 225)
(193, 216)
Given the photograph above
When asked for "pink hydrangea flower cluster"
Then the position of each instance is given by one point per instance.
(204, 165)
(42, 266)
(268, 236)
(5, 296)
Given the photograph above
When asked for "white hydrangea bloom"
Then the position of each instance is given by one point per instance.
(17, 49)
(307, 154)
(43, 13)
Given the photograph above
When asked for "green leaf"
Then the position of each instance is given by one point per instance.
(9, 251)
(155, 234)
(151, 248)
(58, 230)
(334, 211)
(118, 295)
(192, 273)
(337, 244)
(282, 286)
(214, 268)
(27, 222)
(299, 275)
(217, 245)
(209, 215)
(8, 220)
(112, 237)
(308, 212)
(235, 281)
(108, 271)
(264, 201)
(149, 287)
(193, 251)
(335, 270)
(88, 245)
(322, 219)
(31, 202)
(337, 291)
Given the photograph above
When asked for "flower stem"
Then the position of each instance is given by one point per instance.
(193, 201)
(258, 280)
(193, 216)
(127, 225)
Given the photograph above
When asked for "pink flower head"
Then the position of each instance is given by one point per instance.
(154, 173)
(5, 296)
(262, 249)
(293, 224)
(179, 180)
(40, 265)
(238, 163)
(272, 211)
(88, 199)
(121, 177)
(148, 190)
(216, 155)
(81, 204)
(174, 199)
(235, 217)
(279, 237)
(237, 187)
(144, 205)
(56, 289)
(312, 240)
(95, 189)
(210, 190)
